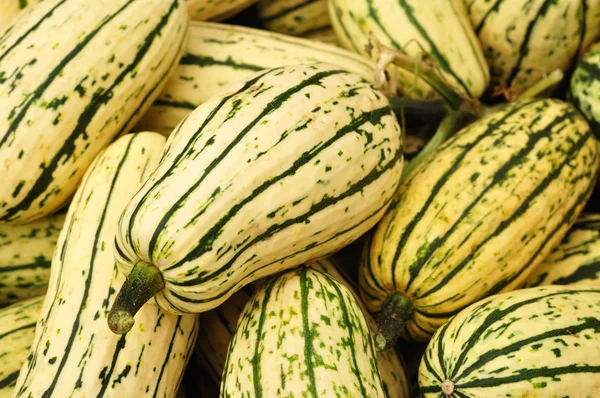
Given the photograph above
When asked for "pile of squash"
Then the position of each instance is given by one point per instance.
(299, 198)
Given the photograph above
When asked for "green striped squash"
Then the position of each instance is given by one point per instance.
(537, 342)
(17, 327)
(249, 183)
(438, 28)
(218, 326)
(326, 35)
(523, 41)
(584, 87)
(73, 353)
(74, 75)
(25, 255)
(216, 10)
(220, 54)
(294, 17)
(302, 334)
(477, 216)
(11, 9)
(576, 261)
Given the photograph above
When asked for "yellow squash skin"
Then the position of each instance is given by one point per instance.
(216, 10)
(74, 353)
(537, 342)
(525, 40)
(477, 216)
(439, 28)
(576, 261)
(218, 326)
(73, 76)
(294, 17)
(10, 9)
(17, 328)
(25, 254)
(219, 55)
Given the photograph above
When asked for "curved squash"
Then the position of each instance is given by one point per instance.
(73, 76)
(537, 342)
(25, 255)
(294, 17)
(523, 41)
(249, 183)
(17, 328)
(218, 326)
(302, 334)
(477, 216)
(576, 261)
(220, 54)
(74, 353)
(439, 28)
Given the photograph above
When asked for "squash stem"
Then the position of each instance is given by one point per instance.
(445, 130)
(551, 80)
(143, 282)
(396, 311)
(426, 71)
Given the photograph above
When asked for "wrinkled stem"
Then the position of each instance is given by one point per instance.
(541, 86)
(425, 69)
(444, 131)
(396, 311)
(143, 282)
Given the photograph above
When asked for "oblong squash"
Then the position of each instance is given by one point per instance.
(576, 261)
(220, 54)
(477, 216)
(74, 354)
(218, 326)
(439, 29)
(74, 75)
(250, 182)
(17, 328)
(302, 334)
(537, 342)
(11, 9)
(523, 41)
(25, 255)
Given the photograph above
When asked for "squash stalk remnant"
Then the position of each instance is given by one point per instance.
(143, 282)
(395, 312)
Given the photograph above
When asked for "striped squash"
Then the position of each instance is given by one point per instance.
(17, 327)
(220, 54)
(10, 10)
(25, 255)
(439, 28)
(219, 324)
(73, 353)
(477, 216)
(294, 17)
(302, 334)
(73, 75)
(584, 87)
(537, 342)
(250, 181)
(576, 261)
(326, 35)
(216, 10)
(525, 40)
